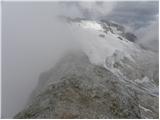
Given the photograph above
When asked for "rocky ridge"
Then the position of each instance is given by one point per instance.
(111, 77)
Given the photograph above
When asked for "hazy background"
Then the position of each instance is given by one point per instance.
(34, 39)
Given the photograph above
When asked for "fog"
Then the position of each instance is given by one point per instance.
(32, 43)
(34, 39)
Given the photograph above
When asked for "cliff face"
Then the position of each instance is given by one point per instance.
(75, 88)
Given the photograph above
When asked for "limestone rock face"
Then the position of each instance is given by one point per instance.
(75, 88)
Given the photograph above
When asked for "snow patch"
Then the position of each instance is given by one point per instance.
(91, 25)
(144, 80)
(145, 109)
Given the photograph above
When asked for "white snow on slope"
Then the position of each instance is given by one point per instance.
(109, 49)
(91, 25)
(87, 34)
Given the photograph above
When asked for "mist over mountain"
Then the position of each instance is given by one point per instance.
(106, 78)
(70, 59)
(134, 17)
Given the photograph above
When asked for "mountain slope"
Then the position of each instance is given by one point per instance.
(111, 77)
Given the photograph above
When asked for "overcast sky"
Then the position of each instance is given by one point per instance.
(32, 39)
